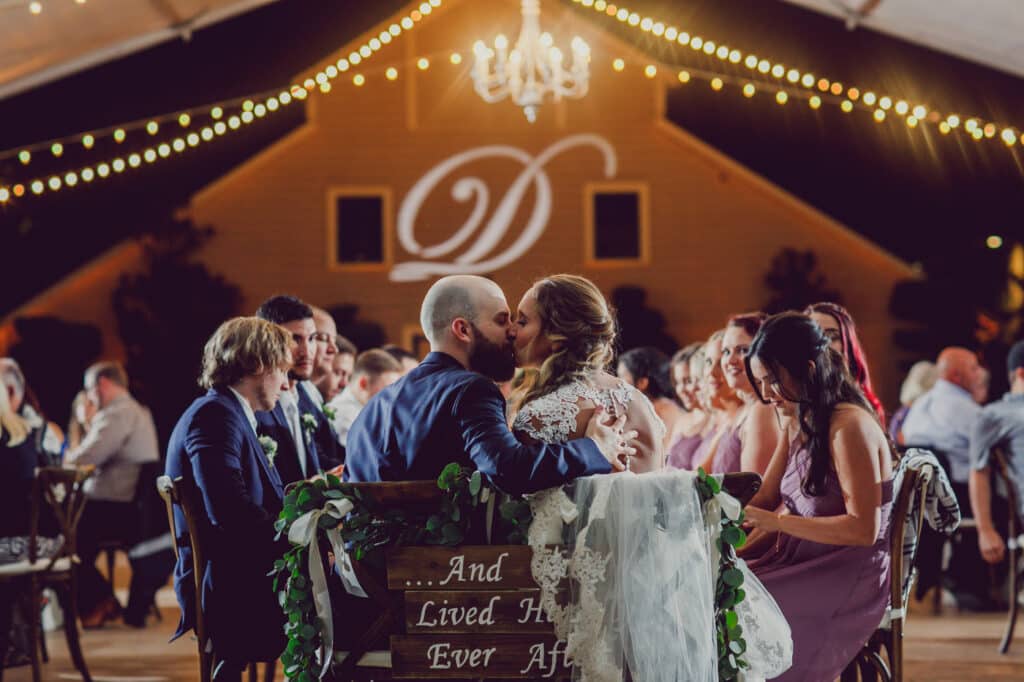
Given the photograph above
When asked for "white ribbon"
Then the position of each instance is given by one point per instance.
(303, 532)
(721, 503)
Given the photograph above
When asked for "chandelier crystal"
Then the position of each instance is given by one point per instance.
(533, 69)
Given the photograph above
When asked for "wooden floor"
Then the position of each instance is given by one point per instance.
(951, 647)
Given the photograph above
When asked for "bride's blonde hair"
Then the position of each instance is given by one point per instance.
(579, 323)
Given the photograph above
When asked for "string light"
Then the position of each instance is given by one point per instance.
(650, 71)
(456, 58)
(250, 111)
(618, 64)
(717, 84)
(765, 66)
(781, 97)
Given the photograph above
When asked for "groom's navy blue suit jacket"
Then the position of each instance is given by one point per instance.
(214, 447)
(441, 412)
(275, 425)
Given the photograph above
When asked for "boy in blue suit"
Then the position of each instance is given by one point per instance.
(215, 447)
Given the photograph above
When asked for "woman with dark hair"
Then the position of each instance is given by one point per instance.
(837, 324)
(647, 369)
(690, 426)
(751, 436)
(832, 474)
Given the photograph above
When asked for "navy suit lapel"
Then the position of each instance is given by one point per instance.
(308, 406)
(253, 440)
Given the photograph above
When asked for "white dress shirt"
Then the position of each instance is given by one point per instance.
(346, 408)
(290, 405)
(943, 418)
(250, 415)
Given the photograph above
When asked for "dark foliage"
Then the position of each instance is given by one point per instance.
(793, 282)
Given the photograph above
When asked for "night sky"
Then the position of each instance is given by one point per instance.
(927, 198)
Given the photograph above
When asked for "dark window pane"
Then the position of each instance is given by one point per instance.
(360, 230)
(616, 225)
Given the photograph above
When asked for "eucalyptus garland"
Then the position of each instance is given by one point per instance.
(369, 528)
(729, 588)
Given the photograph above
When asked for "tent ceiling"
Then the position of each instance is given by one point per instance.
(69, 36)
(989, 32)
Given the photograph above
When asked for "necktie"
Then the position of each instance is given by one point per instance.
(291, 411)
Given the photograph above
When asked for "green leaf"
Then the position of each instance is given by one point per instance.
(308, 631)
(333, 481)
(305, 497)
(475, 483)
(334, 494)
(433, 523)
(451, 533)
(456, 514)
(740, 595)
(731, 619)
(737, 646)
(733, 577)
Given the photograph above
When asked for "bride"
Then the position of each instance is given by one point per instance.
(565, 335)
(635, 551)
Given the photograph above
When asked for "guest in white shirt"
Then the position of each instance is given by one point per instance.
(121, 438)
(374, 371)
(943, 420)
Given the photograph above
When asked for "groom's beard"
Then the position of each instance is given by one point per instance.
(495, 361)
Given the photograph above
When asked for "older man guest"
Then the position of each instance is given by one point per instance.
(943, 420)
(121, 439)
(999, 424)
(215, 448)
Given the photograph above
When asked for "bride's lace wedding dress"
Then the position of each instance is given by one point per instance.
(636, 555)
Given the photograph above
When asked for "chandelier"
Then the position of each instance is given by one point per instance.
(533, 69)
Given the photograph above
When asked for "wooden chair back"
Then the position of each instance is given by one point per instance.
(61, 492)
(1015, 537)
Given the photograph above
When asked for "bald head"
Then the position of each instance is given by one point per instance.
(959, 366)
(324, 322)
(457, 296)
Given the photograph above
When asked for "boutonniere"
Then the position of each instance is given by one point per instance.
(308, 423)
(329, 412)
(269, 446)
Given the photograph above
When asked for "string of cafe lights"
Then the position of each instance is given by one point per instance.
(850, 97)
(221, 122)
(34, 7)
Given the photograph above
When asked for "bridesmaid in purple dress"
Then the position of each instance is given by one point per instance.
(690, 425)
(829, 566)
(752, 436)
(725, 404)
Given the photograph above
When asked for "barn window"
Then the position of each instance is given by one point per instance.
(358, 228)
(617, 224)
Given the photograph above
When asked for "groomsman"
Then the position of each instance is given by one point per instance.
(215, 447)
(306, 444)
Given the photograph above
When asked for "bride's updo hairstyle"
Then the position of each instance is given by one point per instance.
(795, 343)
(578, 322)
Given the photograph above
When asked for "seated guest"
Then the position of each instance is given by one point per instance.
(214, 447)
(921, 377)
(999, 424)
(942, 420)
(449, 407)
(829, 569)
(306, 443)
(121, 438)
(404, 357)
(721, 400)
(344, 361)
(648, 370)
(754, 431)
(980, 390)
(690, 427)
(49, 436)
(82, 412)
(837, 323)
(374, 370)
(323, 379)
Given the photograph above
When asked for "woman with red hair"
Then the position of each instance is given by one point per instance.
(837, 324)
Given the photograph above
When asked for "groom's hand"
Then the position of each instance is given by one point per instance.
(610, 438)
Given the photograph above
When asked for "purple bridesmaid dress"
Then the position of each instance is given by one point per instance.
(680, 455)
(701, 453)
(727, 455)
(833, 596)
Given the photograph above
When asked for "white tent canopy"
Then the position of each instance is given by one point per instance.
(45, 40)
(989, 32)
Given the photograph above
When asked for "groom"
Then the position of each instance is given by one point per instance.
(449, 409)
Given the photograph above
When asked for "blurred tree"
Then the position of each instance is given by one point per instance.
(638, 324)
(165, 315)
(794, 282)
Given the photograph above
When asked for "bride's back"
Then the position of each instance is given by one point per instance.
(564, 413)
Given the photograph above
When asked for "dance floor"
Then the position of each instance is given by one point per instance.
(947, 648)
(951, 647)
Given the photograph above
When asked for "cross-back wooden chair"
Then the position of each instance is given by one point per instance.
(889, 636)
(1014, 544)
(188, 497)
(60, 492)
(364, 659)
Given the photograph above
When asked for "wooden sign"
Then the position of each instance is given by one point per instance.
(511, 611)
(479, 656)
(498, 567)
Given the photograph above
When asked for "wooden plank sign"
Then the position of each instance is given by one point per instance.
(479, 656)
(475, 611)
(497, 567)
